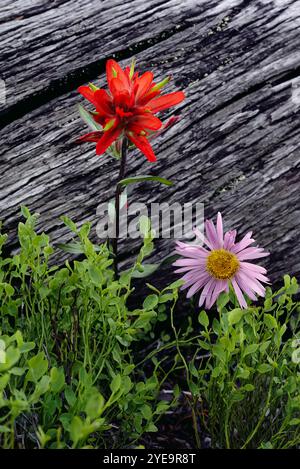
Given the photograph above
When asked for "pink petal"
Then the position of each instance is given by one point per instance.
(263, 278)
(253, 267)
(203, 239)
(245, 241)
(205, 291)
(186, 269)
(252, 253)
(209, 294)
(254, 284)
(220, 229)
(229, 239)
(197, 285)
(194, 252)
(245, 287)
(211, 234)
(186, 262)
(191, 277)
(220, 286)
(239, 294)
(255, 274)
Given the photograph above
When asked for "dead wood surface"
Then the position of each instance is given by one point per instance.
(236, 147)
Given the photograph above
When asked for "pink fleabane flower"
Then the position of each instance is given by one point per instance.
(224, 262)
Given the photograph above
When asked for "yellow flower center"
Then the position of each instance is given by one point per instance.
(222, 264)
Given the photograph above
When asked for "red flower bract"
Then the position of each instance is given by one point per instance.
(127, 108)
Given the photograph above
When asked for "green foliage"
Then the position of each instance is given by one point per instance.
(72, 382)
(137, 179)
(246, 386)
(88, 119)
(76, 378)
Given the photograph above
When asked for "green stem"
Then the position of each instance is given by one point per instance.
(262, 417)
(117, 204)
(227, 429)
(194, 417)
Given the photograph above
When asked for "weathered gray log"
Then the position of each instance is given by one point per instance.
(49, 47)
(236, 147)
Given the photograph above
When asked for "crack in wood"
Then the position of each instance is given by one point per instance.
(236, 147)
(72, 80)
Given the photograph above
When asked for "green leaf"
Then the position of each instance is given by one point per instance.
(248, 387)
(2, 356)
(152, 428)
(146, 412)
(204, 345)
(250, 349)
(237, 396)
(95, 275)
(150, 302)
(9, 290)
(144, 319)
(122, 341)
(70, 396)
(264, 346)
(131, 72)
(267, 445)
(38, 366)
(25, 212)
(287, 281)
(203, 319)
(27, 347)
(270, 321)
(71, 248)
(294, 421)
(69, 223)
(10, 358)
(161, 84)
(57, 380)
(242, 373)
(222, 300)
(4, 429)
(147, 269)
(128, 369)
(216, 371)
(88, 118)
(137, 179)
(163, 406)
(193, 370)
(268, 304)
(234, 316)
(166, 297)
(4, 379)
(218, 351)
(41, 387)
(264, 368)
(17, 371)
(76, 429)
(175, 285)
(116, 384)
(93, 87)
(94, 406)
(194, 388)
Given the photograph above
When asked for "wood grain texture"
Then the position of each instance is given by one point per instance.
(50, 46)
(236, 147)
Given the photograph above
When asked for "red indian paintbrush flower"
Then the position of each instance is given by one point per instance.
(128, 108)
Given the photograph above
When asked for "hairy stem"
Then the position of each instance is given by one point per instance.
(117, 204)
